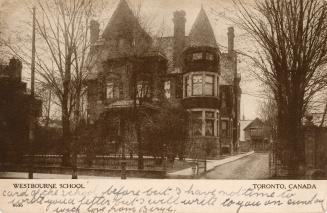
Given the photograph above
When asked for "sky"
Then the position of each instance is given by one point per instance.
(13, 13)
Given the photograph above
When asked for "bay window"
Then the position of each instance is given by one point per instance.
(188, 86)
(197, 85)
(201, 84)
(209, 85)
(197, 123)
(204, 122)
(209, 56)
(210, 123)
(197, 56)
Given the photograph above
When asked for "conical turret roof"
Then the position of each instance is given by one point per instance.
(123, 23)
(202, 33)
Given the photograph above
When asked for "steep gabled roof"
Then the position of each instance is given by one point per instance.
(256, 122)
(243, 125)
(202, 33)
(123, 23)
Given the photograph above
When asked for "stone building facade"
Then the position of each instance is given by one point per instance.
(129, 68)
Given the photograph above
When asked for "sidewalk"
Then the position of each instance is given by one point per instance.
(211, 165)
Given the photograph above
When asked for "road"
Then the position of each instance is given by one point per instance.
(255, 166)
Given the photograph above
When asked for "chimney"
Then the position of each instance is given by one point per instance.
(231, 36)
(94, 31)
(15, 69)
(179, 35)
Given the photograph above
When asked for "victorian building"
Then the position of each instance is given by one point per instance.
(130, 70)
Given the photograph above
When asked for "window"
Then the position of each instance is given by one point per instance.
(143, 90)
(110, 90)
(187, 86)
(217, 85)
(209, 85)
(210, 123)
(167, 89)
(204, 123)
(210, 127)
(209, 56)
(197, 84)
(197, 123)
(200, 84)
(224, 128)
(197, 56)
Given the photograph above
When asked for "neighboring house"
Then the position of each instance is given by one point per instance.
(17, 107)
(258, 135)
(245, 145)
(188, 71)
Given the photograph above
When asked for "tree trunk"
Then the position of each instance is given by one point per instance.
(136, 119)
(66, 134)
(140, 164)
(47, 119)
(290, 145)
(66, 137)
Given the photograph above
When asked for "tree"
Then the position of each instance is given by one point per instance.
(62, 32)
(167, 131)
(268, 114)
(291, 61)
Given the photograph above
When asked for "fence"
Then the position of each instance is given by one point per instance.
(96, 165)
(315, 158)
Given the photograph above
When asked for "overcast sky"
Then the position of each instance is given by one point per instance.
(12, 12)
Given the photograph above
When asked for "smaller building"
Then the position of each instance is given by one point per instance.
(17, 108)
(255, 135)
(244, 145)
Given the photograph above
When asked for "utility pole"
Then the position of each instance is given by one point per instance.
(32, 113)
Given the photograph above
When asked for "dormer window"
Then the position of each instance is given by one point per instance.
(197, 56)
(209, 56)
